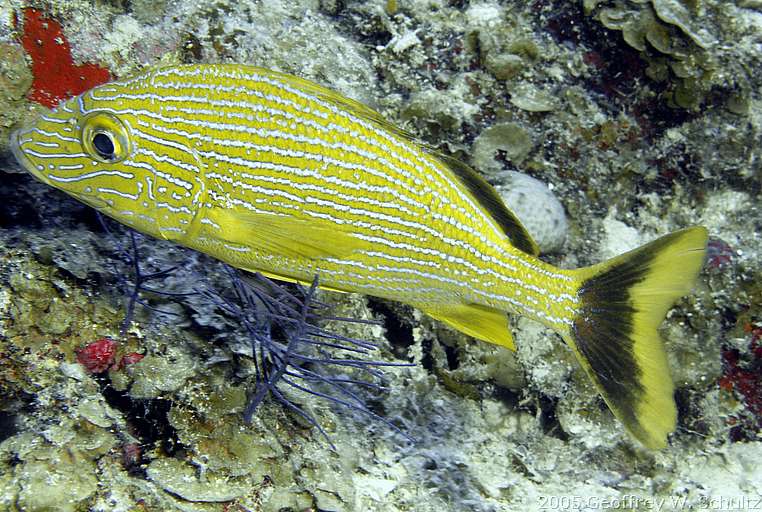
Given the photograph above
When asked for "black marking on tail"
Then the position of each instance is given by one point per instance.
(615, 333)
(604, 328)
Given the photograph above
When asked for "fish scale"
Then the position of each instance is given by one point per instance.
(275, 174)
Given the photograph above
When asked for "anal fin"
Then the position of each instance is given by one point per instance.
(481, 322)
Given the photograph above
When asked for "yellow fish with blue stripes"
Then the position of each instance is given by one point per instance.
(275, 174)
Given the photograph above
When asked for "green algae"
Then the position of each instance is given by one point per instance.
(183, 480)
(156, 375)
(532, 99)
(512, 139)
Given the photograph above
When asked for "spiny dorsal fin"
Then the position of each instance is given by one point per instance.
(491, 202)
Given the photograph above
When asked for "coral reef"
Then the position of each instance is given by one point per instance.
(643, 116)
(15, 81)
(680, 40)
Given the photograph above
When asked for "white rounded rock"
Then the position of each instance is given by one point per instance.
(537, 208)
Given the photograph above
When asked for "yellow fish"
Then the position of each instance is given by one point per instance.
(275, 174)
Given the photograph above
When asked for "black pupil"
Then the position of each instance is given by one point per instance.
(104, 145)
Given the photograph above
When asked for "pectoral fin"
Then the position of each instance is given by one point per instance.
(284, 236)
(481, 322)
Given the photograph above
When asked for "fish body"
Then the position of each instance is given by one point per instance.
(275, 174)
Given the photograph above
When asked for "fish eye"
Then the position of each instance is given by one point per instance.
(105, 138)
(103, 145)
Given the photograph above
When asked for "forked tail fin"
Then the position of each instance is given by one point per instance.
(615, 336)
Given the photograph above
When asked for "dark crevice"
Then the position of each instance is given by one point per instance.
(689, 412)
(17, 208)
(89, 218)
(8, 427)
(452, 357)
(510, 399)
(427, 361)
(398, 332)
(15, 405)
(549, 420)
(148, 419)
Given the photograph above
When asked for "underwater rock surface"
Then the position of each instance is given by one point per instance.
(644, 116)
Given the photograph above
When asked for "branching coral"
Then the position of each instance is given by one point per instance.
(136, 284)
(289, 348)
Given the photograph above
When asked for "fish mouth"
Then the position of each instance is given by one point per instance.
(21, 158)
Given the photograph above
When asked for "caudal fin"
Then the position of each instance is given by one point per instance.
(615, 336)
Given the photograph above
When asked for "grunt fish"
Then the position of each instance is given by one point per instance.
(275, 174)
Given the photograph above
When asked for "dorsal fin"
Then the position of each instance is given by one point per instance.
(491, 202)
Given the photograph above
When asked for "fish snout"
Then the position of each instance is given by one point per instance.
(21, 158)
